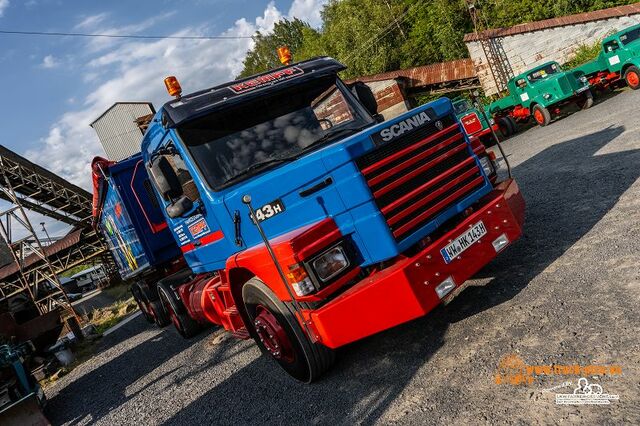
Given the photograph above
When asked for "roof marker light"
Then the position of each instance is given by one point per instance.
(173, 86)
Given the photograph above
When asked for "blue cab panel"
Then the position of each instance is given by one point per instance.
(132, 222)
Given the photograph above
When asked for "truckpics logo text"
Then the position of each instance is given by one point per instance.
(266, 79)
(512, 370)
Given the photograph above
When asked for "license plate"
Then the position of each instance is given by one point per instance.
(582, 89)
(463, 242)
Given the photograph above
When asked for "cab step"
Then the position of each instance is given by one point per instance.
(241, 333)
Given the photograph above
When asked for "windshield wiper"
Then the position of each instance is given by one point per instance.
(330, 135)
(261, 165)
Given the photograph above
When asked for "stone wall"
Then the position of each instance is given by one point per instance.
(529, 49)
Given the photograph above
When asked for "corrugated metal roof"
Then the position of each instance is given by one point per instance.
(427, 75)
(118, 130)
(580, 18)
(63, 244)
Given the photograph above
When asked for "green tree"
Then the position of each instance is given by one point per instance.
(263, 56)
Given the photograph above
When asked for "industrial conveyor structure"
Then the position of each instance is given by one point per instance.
(33, 272)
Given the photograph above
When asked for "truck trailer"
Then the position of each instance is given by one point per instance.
(126, 212)
(306, 222)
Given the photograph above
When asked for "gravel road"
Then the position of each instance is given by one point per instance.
(566, 294)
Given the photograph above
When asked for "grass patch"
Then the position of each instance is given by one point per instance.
(584, 54)
(107, 317)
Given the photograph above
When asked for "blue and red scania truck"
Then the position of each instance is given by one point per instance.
(306, 222)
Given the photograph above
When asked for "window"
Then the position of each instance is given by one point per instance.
(630, 36)
(246, 139)
(461, 106)
(521, 83)
(543, 72)
(611, 46)
(184, 177)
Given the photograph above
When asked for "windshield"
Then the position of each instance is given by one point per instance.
(630, 36)
(543, 72)
(277, 127)
(462, 106)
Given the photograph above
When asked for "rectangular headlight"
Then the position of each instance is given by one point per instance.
(330, 263)
(487, 165)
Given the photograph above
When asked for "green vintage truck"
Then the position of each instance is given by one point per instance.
(619, 60)
(474, 122)
(540, 93)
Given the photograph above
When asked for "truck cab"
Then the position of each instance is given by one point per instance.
(474, 122)
(311, 224)
(619, 60)
(541, 91)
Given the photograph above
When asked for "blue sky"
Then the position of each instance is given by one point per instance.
(53, 87)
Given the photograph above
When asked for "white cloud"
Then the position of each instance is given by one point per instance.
(4, 4)
(91, 22)
(307, 10)
(49, 62)
(136, 70)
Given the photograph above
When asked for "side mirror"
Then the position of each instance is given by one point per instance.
(365, 96)
(179, 207)
(165, 178)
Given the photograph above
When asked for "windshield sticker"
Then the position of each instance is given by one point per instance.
(407, 125)
(614, 60)
(267, 79)
(197, 226)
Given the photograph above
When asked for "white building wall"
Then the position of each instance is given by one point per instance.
(117, 130)
(527, 50)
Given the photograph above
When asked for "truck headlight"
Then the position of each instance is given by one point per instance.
(487, 165)
(583, 79)
(547, 96)
(330, 263)
(492, 121)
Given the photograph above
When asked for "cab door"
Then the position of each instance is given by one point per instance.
(612, 53)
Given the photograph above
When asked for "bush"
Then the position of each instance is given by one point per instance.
(584, 54)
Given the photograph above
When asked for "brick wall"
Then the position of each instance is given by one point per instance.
(529, 49)
(390, 97)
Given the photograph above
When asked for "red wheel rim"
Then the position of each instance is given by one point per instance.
(272, 335)
(633, 79)
(537, 114)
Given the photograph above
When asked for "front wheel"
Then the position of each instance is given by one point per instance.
(632, 77)
(541, 115)
(506, 126)
(279, 335)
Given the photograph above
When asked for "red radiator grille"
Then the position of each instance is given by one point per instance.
(415, 177)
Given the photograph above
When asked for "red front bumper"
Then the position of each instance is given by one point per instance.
(406, 290)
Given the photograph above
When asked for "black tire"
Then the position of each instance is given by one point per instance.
(632, 77)
(587, 100)
(541, 115)
(504, 124)
(307, 361)
(513, 124)
(139, 298)
(186, 326)
(160, 316)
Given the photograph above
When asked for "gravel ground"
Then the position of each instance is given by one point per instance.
(566, 294)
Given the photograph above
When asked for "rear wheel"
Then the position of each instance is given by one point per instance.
(279, 334)
(506, 127)
(541, 115)
(136, 291)
(587, 100)
(632, 77)
(186, 326)
(159, 313)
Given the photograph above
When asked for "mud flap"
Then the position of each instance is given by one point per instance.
(24, 412)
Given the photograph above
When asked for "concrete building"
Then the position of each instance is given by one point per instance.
(525, 46)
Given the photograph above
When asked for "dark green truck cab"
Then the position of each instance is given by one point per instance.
(618, 61)
(540, 92)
